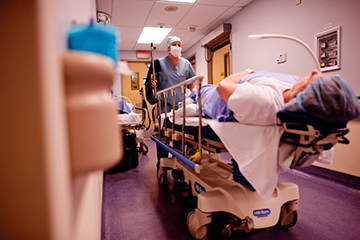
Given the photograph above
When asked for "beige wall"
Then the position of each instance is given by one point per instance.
(35, 178)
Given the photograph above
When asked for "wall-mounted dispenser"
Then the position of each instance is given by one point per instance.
(94, 135)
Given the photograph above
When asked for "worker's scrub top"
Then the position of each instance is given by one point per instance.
(170, 76)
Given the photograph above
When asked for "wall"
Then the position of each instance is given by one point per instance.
(34, 167)
(302, 21)
(69, 12)
(201, 64)
(40, 199)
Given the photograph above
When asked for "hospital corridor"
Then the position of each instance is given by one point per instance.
(179, 119)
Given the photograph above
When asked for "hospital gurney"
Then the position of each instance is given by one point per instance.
(132, 119)
(221, 189)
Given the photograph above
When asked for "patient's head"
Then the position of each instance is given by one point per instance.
(301, 84)
(329, 98)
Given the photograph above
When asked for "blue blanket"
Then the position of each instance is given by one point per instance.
(125, 106)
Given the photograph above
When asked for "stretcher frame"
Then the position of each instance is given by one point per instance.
(211, 180)
(137, 126)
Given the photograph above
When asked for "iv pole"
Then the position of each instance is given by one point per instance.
(152, 49)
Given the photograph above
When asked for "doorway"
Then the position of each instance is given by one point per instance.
(218, 58)
(221, 63)
(131, 86)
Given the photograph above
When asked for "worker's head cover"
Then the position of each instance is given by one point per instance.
(172, 39)
(329, 98)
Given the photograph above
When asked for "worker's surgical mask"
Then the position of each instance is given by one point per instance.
(175, 51)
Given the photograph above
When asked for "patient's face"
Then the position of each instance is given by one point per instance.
(302, 82)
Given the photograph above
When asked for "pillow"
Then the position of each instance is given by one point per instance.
(190, 111)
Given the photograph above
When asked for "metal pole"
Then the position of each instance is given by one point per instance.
(183, 88)
(152, 49)
(200, 118)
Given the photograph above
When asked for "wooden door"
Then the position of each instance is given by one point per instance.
(221, 64)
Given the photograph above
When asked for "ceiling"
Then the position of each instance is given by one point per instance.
(130, 16)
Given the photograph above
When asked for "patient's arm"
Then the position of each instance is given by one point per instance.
(256, 104)
(227, 86)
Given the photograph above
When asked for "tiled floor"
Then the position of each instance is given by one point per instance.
(135, 207)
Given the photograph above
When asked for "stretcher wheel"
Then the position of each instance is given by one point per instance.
(144, 149)
(288, 220)
(200, 233)
(162, 179)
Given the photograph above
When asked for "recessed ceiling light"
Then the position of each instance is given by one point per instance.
(153, 35)
(182, 1)
(171, 8)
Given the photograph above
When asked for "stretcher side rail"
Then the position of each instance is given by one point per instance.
(171, 134)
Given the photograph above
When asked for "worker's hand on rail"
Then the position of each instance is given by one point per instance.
(153, 81)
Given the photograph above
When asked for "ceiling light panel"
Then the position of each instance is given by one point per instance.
(153, 35)
(227, 3)
(181, 1)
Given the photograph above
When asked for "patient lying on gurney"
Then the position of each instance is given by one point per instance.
(249, 103)
(126, 115)
(255, 98)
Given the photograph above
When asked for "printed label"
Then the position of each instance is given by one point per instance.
(261, 212)
(199, 188)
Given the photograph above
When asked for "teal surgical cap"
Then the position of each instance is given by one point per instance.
(171, 40)
(329, 98)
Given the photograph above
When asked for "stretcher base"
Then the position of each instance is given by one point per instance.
(218, 193)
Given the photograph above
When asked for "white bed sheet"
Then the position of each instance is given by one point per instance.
(257, 152)
(129, 119)
(257, 149)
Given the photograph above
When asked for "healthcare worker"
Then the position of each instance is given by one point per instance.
(169, 70)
